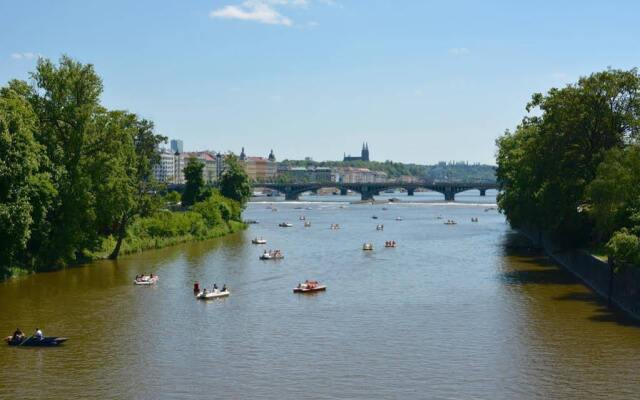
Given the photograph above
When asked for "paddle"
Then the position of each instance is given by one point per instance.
(25, 341)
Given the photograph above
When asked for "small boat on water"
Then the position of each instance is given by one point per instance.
(259, 241)
(251, 221)
(367, 247)
(309, 287)
(271, 255)
(335, 226)
(285, 225)
(214, 294)
(474, 219)
(145, 280)
(307, 224)
(398, 218)
(32, 341)
(302, 218)
(374, 217)
(379, 227)
(390, 244)
(450, 222)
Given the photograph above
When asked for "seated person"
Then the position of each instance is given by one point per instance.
(38, 335)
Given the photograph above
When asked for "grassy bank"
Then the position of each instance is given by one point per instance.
(167, 229)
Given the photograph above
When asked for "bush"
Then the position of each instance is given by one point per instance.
(624, 247)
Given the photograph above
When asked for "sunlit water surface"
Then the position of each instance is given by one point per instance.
(454, 312)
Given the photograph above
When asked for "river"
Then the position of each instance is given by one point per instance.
(454, 312)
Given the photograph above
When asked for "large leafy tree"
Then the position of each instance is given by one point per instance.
(194, 187)
(66, 100)
(234, 182)
(546, 165)
(23, 184)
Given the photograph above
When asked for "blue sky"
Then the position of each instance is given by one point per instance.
(421, 81)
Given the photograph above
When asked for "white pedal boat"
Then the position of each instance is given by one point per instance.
(146, 280)
(212, 295)
(259, 241)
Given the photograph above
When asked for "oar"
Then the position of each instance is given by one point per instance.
(25, 341)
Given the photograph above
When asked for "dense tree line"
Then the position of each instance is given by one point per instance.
(572, 167)
(71, 171)
(394, 170)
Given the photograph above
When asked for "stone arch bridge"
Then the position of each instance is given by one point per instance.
(292, 191)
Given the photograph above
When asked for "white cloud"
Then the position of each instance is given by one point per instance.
(262, 11)
(252, 11)
(25, 56)
(459, 51)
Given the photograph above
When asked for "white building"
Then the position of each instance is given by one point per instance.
(361, 175)
(164, 171)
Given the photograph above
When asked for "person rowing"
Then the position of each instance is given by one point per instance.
(38, 334)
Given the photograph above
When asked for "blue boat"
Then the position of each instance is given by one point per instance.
(47, 341)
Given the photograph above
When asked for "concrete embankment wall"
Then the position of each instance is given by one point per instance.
(622, 289)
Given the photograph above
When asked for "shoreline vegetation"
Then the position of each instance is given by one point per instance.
(76, 179)
(571, 169)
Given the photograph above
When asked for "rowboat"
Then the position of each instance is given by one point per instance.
(215, 294)
(285, 225)
(47, 341)
(309, 287)
(259, 241)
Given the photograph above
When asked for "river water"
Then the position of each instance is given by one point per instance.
(454, 312)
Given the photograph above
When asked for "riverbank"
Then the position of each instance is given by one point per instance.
(164, 230)
(619, 287)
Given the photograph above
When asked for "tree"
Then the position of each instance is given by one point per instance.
(546, 165)
(66, 100)
(195, 182)
(23, 185)
(234, 182)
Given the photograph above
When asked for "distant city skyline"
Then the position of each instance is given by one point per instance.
(421, 82)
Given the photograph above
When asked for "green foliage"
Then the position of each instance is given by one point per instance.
(74, 176)
(624, 247)
(546, 165)
(24, 188)
(195, 182)
(234, 182)
(172, 197)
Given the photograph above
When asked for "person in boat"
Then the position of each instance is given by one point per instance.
(204, 291)
(17, 337)
(38, 334)
(224, 287)
(215, 287)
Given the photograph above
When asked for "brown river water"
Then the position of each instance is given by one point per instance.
(454, 312)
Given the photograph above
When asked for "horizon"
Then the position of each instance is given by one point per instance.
(315, 78)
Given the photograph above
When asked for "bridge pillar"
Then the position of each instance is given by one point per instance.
(343, 191)
(410, 192)
(366, 193)
(483, 192)
(449, 194)
(291, 195)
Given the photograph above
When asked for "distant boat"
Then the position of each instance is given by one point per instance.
(374, 217)
(214, 294)
(285, 225)
(398, 218)
(367, 247)
(379, 227)
(309, 287)
(259, 241)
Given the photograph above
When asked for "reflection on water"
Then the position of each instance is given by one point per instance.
(464, 311)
